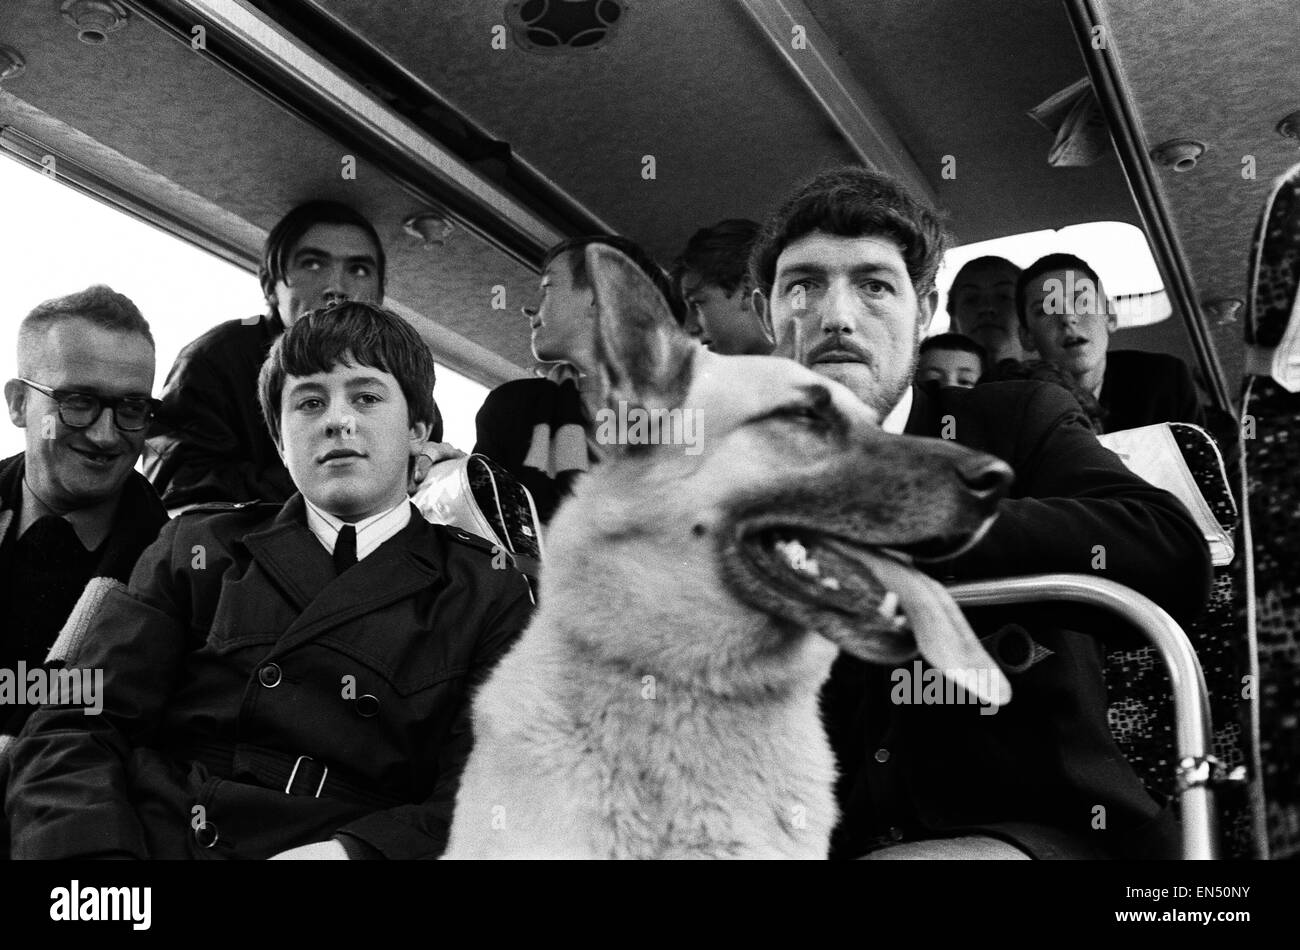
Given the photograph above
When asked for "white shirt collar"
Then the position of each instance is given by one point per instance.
(896, 421)
(371, 532)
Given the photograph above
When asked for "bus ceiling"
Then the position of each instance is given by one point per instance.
(668, 117)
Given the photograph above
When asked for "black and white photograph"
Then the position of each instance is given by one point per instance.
(851, 430)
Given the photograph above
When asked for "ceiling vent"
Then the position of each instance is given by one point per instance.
(563, 26)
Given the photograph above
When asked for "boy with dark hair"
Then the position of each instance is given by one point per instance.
(982, 303)
(713, 273)
(1065, 314)
(286, 681)
(539, 429)
(208, 442)
(951, 359)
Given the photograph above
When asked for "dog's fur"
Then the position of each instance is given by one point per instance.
(664, 700)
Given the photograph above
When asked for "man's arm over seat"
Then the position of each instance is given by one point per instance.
(1078, 509)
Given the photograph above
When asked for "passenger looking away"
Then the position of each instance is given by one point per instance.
(541, 429)
(210, 442)
(73, 511)
(713, 276)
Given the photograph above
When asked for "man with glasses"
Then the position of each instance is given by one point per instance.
(74, 516)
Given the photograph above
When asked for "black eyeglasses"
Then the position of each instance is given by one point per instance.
(82, 410)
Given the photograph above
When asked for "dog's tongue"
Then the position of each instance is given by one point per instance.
(942, 634)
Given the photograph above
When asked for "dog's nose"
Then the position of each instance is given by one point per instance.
(985, 477)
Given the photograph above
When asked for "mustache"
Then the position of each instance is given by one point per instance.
(840, 346)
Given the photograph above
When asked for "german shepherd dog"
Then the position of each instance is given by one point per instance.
(663, 703)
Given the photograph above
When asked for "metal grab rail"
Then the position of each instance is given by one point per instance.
(1191, 699)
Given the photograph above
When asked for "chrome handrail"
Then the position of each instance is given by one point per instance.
(1191, 699)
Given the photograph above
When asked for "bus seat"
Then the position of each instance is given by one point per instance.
(1195, 772)
(1140, 708)
(477, 495)
(1270, 409)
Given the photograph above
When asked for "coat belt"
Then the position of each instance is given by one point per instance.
(292, 773)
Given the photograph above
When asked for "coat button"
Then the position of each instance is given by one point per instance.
(206, 834)
(269, 676)
(367, 706)
(882, 756)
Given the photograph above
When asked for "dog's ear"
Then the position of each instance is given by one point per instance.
(643, 357)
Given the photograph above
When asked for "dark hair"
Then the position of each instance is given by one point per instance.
(956, 341)
(357, 333)
(987, 262)
(1045, 265)
(853, 202)
(720, 254)
(289, 230)
(638, 255)
(98, 304)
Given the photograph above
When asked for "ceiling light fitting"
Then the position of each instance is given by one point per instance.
(94, 19)
(1179, 154)
(432, 228)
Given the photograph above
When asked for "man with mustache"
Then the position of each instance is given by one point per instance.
(844, 271)
(1066, 315)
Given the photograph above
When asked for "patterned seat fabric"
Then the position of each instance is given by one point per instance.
(1271, 459)
(1273, 487)
(1141, 697)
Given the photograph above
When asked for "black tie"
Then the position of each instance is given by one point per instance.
(345, 549)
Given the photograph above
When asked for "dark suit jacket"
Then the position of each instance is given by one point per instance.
(235, 653)
(1141, 389)
(209, 441)
(1043, 771)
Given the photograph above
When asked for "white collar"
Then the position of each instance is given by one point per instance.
(371, 532)
(896, 421)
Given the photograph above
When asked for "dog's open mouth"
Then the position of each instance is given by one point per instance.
(828, 572)
(869, 601)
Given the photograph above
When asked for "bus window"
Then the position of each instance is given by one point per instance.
(58, 241)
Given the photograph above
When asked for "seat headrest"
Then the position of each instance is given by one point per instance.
(1273, 317)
